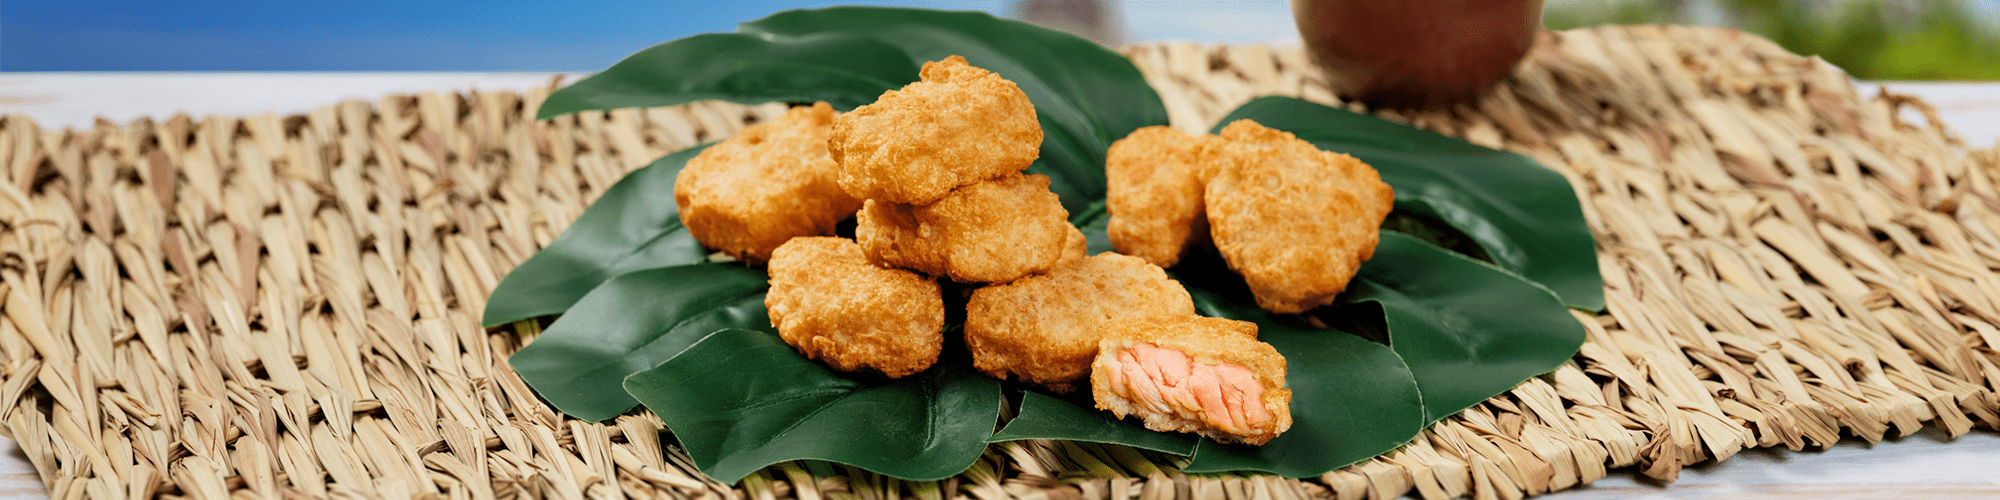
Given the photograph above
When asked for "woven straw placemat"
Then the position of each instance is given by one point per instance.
(288, 306)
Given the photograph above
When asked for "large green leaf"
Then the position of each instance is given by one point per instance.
(634, 225)
(740, 400)
(1525, 217)
(632, 323)
(845, 69)
(1467, 330)
(1044, 416)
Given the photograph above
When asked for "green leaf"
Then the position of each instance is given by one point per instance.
(845, 69)
(1351, 399)
(632, 323)
(634, 225)
(1076, 419)
(1525, 217)
(740, 400)
(1467, 330)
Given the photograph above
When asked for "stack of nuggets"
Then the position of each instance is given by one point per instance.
(767, 194)
(1295, 221)
(992, 231)
(934, 170)
(939, 164)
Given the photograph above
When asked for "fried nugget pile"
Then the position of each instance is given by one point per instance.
(933, 176)
(1295, 221)
(939, 165)
(992, 231)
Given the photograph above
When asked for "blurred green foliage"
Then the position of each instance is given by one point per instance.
(1871, 39)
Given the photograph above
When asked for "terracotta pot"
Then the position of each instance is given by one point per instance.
(1417, 54)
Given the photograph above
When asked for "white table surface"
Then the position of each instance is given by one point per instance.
(1926, 465)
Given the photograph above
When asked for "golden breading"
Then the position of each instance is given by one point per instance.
(958, 126)
(1075, 247)
(1044, 329)
(990, 232)
(1154, 194)
(1295, 221)
(832, 305)
(1194, 374)
(771, 182)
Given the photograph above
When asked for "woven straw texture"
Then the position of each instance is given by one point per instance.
(288, 306)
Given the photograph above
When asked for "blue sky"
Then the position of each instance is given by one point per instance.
(499, 35)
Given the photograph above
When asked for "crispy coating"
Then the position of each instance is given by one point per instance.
(771, 182)
(1216, 342)
(1075, 247)
(960, 125)
(1044, 329)
(1295, 221)
(1154, 194)
(832, 305)
(989, 232)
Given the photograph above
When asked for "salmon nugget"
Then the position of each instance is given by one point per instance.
(1154, 194)
(833, 306)
(1194, 374)
(1045, 329)
(771, 182)
(1295, 221)
(990, 232)
(958, 126)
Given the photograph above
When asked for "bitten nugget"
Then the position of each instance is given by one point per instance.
(832, 305)
(958, 126)
(1044, 329)
(771, 182)
(1295, 221)
(1194, 374)
(990, 232)
(1154, 194)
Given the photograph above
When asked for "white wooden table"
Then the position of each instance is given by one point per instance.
(1926, 465)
